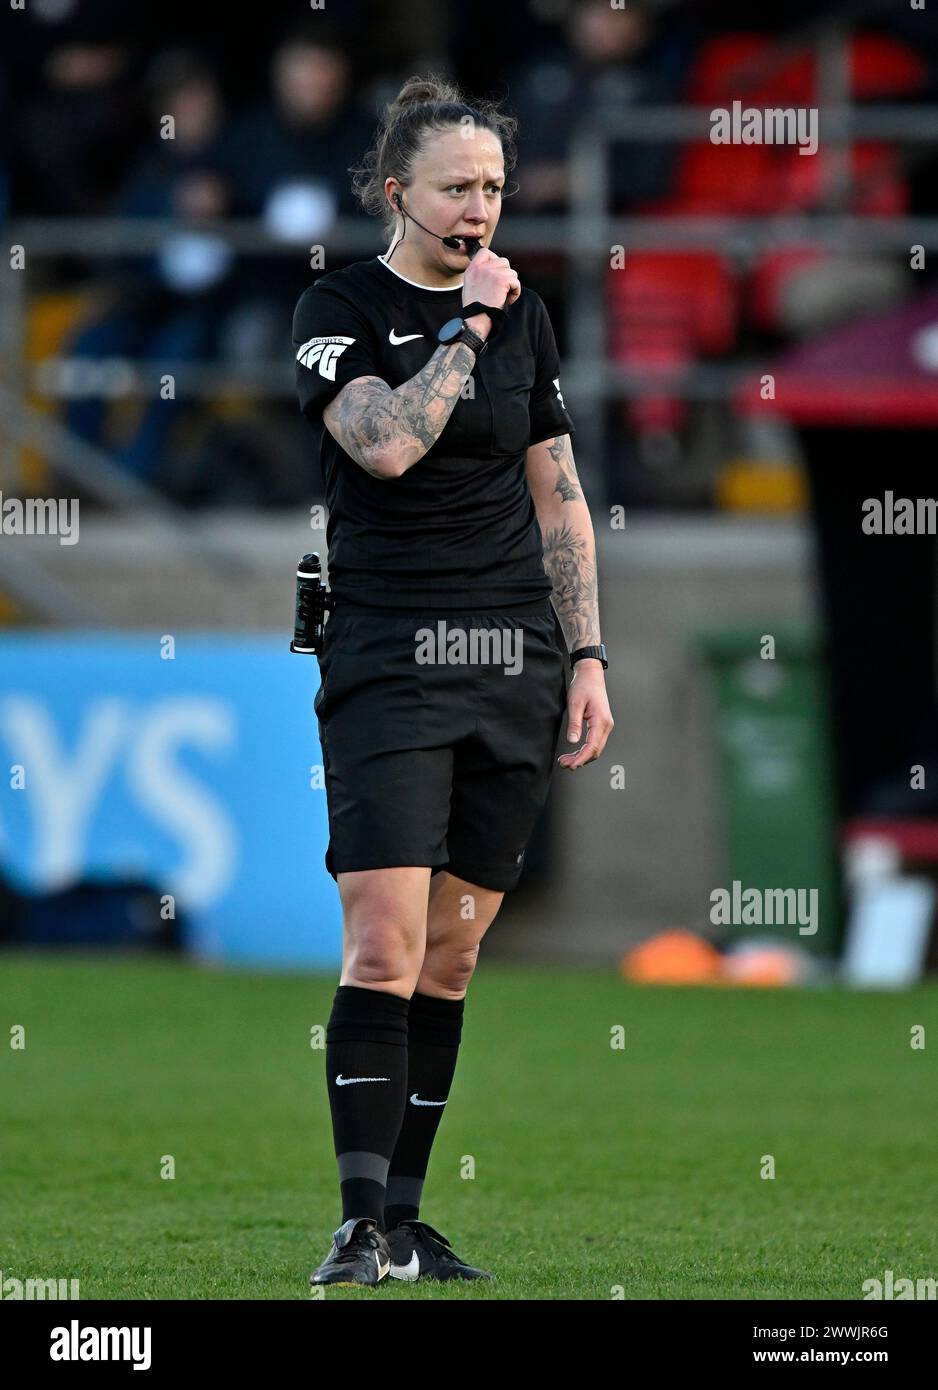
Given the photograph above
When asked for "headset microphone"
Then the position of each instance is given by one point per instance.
(453, 243)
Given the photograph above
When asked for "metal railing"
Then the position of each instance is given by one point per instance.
(581, 241)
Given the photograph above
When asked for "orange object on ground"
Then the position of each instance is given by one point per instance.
(674, 958)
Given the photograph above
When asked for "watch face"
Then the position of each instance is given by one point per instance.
(451, 329)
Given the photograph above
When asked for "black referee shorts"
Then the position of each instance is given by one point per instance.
(446, 760)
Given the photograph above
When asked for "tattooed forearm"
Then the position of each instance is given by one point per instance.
(566, 483)
(570, 561)
(567, 533)
(388, 431)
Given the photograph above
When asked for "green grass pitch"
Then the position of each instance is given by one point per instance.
(596, 1172)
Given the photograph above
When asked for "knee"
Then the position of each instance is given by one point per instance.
(383, 951)
(448, 967)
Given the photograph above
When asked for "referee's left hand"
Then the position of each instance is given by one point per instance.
(587, 701)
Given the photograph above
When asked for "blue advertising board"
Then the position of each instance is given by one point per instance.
(193, 762)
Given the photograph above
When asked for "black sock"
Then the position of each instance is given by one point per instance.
(434, 1029)
(366, 1037)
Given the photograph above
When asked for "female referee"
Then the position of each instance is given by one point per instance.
(455, 515)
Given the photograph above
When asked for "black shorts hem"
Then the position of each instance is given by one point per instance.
(417, 860)
(484, 876)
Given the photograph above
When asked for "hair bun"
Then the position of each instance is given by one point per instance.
(417, 90)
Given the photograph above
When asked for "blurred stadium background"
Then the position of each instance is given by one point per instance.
(772, 676)
(165, 733)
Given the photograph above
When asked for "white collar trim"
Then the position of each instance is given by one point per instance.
(440, 289)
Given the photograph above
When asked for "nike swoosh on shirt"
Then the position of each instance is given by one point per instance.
(415, 1101)
(408, 337)
(350, 1080)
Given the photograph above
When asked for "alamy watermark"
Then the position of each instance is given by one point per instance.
(77, 1343)
(768, 125)
(40, 516)
(765, 907)
(899, 516)
(889, 1287)
(470, 646)
(38, 1288)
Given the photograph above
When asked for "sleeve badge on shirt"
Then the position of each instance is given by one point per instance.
(325, 351)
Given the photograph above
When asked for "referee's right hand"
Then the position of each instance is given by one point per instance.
(490, 280)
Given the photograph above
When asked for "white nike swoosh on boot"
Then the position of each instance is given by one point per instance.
(410, 1271)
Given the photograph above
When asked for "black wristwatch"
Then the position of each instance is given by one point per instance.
(458, 331)
(499, 317)
(598, 652)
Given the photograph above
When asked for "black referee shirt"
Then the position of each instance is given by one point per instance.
(458, 529)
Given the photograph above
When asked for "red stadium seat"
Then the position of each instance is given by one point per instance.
(753, 68)
(669, 308)
(666, 309)
(776, 178)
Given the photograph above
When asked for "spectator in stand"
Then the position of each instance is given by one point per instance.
(304, 135)
(72, 137)
(166, 306)
(607, 60)
(291, 154)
